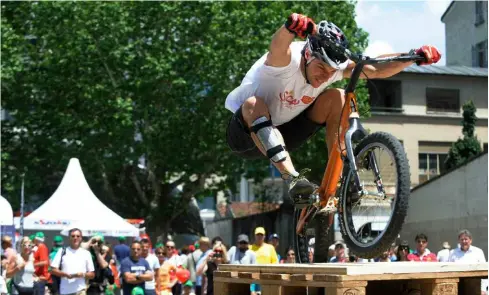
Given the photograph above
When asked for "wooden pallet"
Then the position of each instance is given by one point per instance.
(421, 278)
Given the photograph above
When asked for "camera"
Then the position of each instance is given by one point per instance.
(217, 255)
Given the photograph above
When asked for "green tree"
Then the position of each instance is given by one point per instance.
(111, 82)
(468, 146)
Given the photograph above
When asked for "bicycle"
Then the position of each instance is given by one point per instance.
(347, 163)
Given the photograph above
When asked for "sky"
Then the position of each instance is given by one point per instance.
(398, 26)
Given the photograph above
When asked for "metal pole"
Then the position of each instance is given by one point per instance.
(22, 208)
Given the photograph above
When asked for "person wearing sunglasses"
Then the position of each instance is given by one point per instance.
(135, 270)
(422, 252)
(73, 265)
(241, 253)
(403, 251)
(166, 273)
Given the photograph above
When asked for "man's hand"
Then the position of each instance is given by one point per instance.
(430, 53)
(300, 25)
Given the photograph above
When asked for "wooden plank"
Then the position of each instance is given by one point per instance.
(284, 282)
(359, 268)
(274, 276)
(439, 287)
(248, 275)
(271, 289)
(408, 276)
(301, 277)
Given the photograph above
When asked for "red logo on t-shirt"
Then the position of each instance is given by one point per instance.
(307, 99)
(288, 98)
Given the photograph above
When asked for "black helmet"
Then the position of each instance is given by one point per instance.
(319, 46)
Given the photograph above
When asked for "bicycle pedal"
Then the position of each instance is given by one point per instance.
(302, 201)
(330, 206)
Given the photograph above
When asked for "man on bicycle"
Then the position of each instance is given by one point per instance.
(283, 100)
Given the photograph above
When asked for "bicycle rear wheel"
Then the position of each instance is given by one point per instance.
(371, 222)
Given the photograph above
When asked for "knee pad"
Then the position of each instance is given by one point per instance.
(268, 137)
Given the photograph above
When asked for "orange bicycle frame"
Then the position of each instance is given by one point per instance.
(331, 178)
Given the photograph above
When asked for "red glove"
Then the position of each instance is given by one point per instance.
(300, 25)
(430, 53)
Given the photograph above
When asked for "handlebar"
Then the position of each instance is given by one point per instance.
(365, 60)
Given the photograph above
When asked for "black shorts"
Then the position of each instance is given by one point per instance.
(295, 133)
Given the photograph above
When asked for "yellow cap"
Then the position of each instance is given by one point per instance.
(259, 230)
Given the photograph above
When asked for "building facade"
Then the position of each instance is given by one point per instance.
(422, 107)
(466, 33)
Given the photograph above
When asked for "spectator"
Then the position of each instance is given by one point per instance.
(403, 251)
(73, 265)
(211, 262)
(135, 270)
(466, 252)
(392, 253)
(166, 279)
(23, 276)
(101, 262)
(41, 264)
(290, 256)
(187, 288)
(53, 285)
(215, 240)
(192, 260)
(444, 254)
(204, 245)
(384, 257)
(173, 257)
(121, 251)
(9, 252)
(154, 265)
(274, 240)
(184, 252)
(265, 254)
(422, 253)
(340, 256)
(241, 254)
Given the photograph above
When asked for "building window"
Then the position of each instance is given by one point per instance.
(479, 12)
(479, 55)
(443, 100)
(430, 165)
(385, 96)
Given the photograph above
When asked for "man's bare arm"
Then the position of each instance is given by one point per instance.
(378, 71)
(279, 52)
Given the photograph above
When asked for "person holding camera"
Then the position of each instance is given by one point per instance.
(212, 261)
(103, 274)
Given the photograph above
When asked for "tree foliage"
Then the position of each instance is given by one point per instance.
(468, 146)
(111, 82)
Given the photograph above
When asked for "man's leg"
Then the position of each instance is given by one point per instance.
(327, 109)
(254, 112)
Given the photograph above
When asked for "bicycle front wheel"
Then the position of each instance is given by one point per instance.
(371, 221)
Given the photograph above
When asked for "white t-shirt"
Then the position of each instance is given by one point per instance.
(154, 264)
(74, 261)
(284, 89)
(443, 255)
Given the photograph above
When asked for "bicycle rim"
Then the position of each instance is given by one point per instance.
(367, 218)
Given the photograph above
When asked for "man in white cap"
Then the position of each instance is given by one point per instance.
(444, 254)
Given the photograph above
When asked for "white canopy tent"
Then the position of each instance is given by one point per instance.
(73, 204)
(6, 213)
